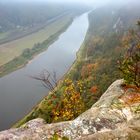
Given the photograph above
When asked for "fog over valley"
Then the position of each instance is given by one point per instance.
(57, 60)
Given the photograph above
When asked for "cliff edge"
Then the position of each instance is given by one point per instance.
(116, 116)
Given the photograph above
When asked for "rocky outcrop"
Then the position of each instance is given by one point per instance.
(111, 118)
(124, 131)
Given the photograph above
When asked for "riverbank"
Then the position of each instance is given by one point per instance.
(30, 31)
(32, 114)
(93, 63)
(59, 57)
(29, 54)
(15, 48)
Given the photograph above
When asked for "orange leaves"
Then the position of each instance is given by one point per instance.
(131, 98)
(126, 87)
(132, 94)
(90, 67)
(87, 70)
(94, 89)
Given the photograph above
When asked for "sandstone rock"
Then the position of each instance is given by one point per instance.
(129, 131)
(108, 119)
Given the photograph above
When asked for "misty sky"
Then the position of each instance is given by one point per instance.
(66, 1)
(89, 2)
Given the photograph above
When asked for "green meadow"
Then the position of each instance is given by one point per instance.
(13, 49)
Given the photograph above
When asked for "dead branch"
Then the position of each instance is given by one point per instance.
(47, 79)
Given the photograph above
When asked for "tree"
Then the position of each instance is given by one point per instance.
(71, 104)
(65, 105)
(47, 79)
(130, 66)
(26, 52)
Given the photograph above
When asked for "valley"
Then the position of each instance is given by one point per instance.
(95, 68)
(57, 60)
(58, 57)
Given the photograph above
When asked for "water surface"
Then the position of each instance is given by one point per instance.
(19, 93)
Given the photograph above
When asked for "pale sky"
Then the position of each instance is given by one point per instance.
(66, 1)
(89, 2)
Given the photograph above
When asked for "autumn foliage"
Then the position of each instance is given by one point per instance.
(130, 66)
(132, 96)
(94, 89)
(71, 103)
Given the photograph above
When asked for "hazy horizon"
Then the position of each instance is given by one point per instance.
(90, 3)
(98, 2)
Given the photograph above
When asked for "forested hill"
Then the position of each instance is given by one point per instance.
(26, 15)
(21, 19)
(112, 17)
(21, 16)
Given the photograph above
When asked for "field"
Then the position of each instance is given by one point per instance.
(10, 50)
(3, 35)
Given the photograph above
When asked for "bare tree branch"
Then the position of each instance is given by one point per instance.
(48, 81)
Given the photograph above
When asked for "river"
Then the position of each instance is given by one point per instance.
(19, 93)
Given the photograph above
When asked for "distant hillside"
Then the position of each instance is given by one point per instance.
(20, 19)
(23, 16)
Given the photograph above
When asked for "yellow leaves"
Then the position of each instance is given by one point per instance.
(68, 81)
(56, 118)
(56, 113)
(71, 103)
(65, 100)
(80, 85)
(138, 45)
(67, 114)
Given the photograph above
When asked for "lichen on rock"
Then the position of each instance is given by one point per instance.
(109, 118)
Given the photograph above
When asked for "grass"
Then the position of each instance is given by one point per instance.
(9, 51)
(3, 35)
(30, 53)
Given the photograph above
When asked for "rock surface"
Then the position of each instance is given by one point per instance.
(111, 118)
